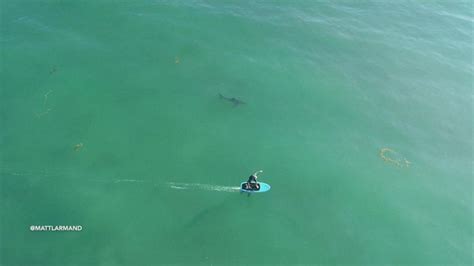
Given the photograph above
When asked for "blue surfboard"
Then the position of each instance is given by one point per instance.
(264, 187)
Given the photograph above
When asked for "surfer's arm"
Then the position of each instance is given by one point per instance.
(258, 172)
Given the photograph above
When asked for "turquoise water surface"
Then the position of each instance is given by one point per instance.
(359, 113)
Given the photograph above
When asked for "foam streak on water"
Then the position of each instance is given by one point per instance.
(205, 187)
(55, 177)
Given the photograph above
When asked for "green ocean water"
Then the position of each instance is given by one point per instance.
(327, 85)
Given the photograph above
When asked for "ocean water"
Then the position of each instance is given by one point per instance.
(359, 113)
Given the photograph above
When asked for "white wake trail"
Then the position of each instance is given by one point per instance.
(199, 186)
(56, 175)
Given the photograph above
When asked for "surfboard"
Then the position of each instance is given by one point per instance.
(264, 187)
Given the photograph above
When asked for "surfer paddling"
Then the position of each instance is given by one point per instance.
(252, 183)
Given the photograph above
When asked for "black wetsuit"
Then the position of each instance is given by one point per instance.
(252, 182)
(252, 179)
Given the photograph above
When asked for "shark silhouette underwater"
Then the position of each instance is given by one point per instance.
(233, 100)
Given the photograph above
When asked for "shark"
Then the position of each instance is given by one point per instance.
(233, 100)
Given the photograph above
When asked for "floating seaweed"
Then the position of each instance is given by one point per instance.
(78, 146)
(43, 113)
(45, 101)
(393, 157)
(53, 70)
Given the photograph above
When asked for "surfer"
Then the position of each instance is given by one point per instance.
(252, 183)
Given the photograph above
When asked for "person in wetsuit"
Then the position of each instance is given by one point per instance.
(252, 183)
